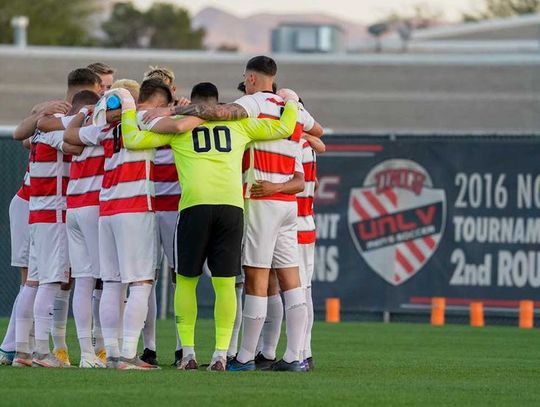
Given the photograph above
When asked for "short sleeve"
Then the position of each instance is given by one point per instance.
(91, 135)
(299, 157)
(306, 119)
(66, 120)
(146, 126)
(250, 105)
(54, 139)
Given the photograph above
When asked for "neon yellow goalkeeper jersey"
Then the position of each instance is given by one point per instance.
(209, 158)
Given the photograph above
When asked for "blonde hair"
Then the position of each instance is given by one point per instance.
(165, 74)
(132, 86)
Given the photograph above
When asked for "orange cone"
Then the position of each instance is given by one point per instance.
(438, 305)
(477, 314)
(333, 310)
(526, 314)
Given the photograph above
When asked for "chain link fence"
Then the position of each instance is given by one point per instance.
(13, 162)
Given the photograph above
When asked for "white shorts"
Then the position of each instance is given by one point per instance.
(270, 234)
(166, 225)
(83, 241)
(307, 262)
(50, 259)
(20, 232)
(128, 247)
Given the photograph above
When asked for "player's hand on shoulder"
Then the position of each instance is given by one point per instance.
(152, 114)
(287, 94)
(182, 102)
(55, 107)
(263, 188)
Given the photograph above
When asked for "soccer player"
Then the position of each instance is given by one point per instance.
(18, 221)
(168, 193)
(48, 262)
(86, 173)
(211, 212)
(106, 74)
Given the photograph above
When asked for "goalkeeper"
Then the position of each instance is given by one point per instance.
(209, 164)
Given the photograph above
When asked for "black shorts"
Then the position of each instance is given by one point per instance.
(212, 232)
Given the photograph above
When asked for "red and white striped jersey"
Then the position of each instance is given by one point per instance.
(128, 185)
(24, 190)
(272, 161)
(86, 173)
(49, 175)
(306, 215)
(168, 190)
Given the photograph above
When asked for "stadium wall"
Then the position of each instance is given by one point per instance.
(400, 218)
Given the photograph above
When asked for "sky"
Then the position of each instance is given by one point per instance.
(361, 11)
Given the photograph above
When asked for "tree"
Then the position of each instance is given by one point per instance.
(504, 8)
(52, 22)
(162, 26)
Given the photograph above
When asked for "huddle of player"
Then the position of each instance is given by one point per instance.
(100, 202)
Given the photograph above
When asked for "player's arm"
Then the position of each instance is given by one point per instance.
(27, 127)
(72, 133)
(136, 139)
(214, 112)
(167, 125)
(72, 149)
(292, 187)
(316, 131)
(316, 143)
(271, 129)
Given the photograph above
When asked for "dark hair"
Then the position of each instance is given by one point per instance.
(85, 97)
(204, 91)
(262, 64)
(241, 87)
(274, 87)
(101, 69)
(151, 86)
(83, 76)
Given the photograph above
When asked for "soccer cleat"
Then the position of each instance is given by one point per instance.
(102, 355)
(177, 357)
(135, 364)
(47, 360)
(112, 363)
(188, 363)
(282, 366)
(149, 356)
(91, 361)
(63, 356)
(310, 363)
(235, 366)
(262, 363)
(217, 365)
(22, 360)
(6, 357)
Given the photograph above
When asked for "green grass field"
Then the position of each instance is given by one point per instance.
(370, 364)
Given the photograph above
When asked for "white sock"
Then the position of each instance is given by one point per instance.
(272, 326)
(24, 318)
(43, 315)
(109, 312)
(60, 314)
(188, 350)
(134, 316)
(149, 330)
(8, 344)
(296, 312)
(82, 312)
(233, 346)
(309, 325)
(254, 315)
(96, 329)
(219, 354)
(123, 302)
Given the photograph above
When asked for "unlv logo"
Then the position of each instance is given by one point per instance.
(397, 219)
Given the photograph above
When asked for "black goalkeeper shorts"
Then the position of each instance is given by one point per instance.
(212, 232)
